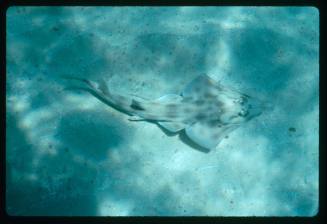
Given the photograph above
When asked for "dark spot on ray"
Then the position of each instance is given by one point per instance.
(213, 123)
(172, 114)
(199, 102)
(209, 95)
(219, 103)
(291, 129)
(55, 29)
(187, 110)
(200, 116)
(171, 110)
(187, 99)
(136, 105)
(171, 107)
(197, 89)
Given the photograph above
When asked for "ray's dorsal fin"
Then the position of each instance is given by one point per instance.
(198, 86)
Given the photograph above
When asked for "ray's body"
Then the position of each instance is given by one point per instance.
(206, 110)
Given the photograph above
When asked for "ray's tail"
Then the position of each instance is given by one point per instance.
(96, 87)
(101, 91)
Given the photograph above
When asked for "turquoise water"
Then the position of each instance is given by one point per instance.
(67, 153)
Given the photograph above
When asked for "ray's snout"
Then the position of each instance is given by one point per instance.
(255, 107)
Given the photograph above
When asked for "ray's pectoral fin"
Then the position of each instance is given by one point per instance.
(136, 118)
(172, 126)
(199, 86)
(206, 135)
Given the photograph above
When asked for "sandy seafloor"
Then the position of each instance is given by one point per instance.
(67, 153)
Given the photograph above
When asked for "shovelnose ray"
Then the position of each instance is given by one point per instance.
(207, 110)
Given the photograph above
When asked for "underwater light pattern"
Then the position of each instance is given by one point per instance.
(168, 111)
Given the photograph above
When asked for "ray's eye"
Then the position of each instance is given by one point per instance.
(242, 100)
(242, 113)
